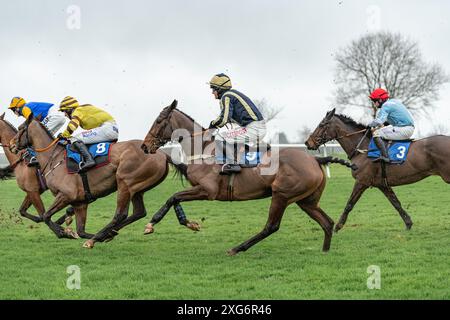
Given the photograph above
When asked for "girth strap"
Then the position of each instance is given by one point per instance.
(383, 174)
(230, 189)
(87, 191)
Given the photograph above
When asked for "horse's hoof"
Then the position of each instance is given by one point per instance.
(193, 226)
(71, 234)
(89, 244)
(149, 229)
(231, 252)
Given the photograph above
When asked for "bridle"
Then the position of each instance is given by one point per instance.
(323, 140)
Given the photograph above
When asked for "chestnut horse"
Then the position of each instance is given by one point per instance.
(429, 156)
(26, 178)
(131, 172)
(299, 179)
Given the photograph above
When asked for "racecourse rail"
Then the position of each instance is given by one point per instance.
(325, 150)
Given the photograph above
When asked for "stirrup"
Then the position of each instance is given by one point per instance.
(230, 170)
(33, 162)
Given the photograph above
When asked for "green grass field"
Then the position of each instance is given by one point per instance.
(176, 263)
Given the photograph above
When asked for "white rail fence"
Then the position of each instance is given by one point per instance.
(324, 150)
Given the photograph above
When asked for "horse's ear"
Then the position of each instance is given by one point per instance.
(29, 119)
(174, 104)
(2, 116)
(331, 113)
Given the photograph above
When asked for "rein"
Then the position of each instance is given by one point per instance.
(48, 147)
(351, 134)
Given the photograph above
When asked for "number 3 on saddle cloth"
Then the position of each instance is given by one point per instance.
(99, 151)
(397, 150)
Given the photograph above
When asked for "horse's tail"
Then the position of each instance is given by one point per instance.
(6, 173)
(326, 160)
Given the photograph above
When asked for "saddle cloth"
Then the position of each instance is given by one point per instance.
(397, 150)
(250, 156)
(99, 151)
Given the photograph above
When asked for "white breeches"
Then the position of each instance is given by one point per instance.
(54, 120)
(394, 133)
(106, 132)
(234, 133)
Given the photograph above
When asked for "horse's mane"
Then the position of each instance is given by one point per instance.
(10, 125)
(349, 121)
(188, 116)
(45, 129)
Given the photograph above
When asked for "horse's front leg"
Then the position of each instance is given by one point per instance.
(195, 193)
(358, 190)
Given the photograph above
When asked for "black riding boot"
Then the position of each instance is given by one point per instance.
(382, 146)
(88, 161)
(230, 165)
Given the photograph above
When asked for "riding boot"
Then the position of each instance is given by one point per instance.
(382, 147)
(88, 161)
(231, 166)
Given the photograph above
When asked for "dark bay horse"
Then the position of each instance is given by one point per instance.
(299, 179)
(26, 178)
(429, 156)
(131, 172)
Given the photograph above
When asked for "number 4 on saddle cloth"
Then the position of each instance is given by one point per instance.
(397, 150)
(99, 151)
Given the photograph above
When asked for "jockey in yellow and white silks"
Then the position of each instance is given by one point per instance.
(98, 125)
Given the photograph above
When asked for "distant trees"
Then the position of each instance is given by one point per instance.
(389, 61)
(268, 111)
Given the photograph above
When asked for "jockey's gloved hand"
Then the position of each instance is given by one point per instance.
(211, 125)
(373, 124)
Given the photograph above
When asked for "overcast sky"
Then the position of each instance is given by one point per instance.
(134, 57)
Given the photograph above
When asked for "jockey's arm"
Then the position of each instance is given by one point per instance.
(224, 116)
(71, 127)
(26, 112)
(380, 119)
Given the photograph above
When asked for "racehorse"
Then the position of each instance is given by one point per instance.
(299, 179)
(26, 178)
(426, 157)
(131, 172)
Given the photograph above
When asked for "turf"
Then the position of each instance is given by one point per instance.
(177, 263)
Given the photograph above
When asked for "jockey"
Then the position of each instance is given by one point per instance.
(239, 122)
(98, 125)
(48, 114)
(400, 122)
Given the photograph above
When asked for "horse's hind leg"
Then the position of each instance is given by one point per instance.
(390, 194)
(277, 208)
(358, 190)
(318, 215)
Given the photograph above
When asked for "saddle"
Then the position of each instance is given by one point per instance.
(249, 157)
(397, 150)
(99, 151)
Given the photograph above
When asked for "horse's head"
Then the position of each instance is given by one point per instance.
(161, 131)
(22, 139)
(325, 131)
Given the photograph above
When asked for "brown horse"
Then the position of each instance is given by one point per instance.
(131, 172)
(26, 178)
(299, 179)
(426, 157)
